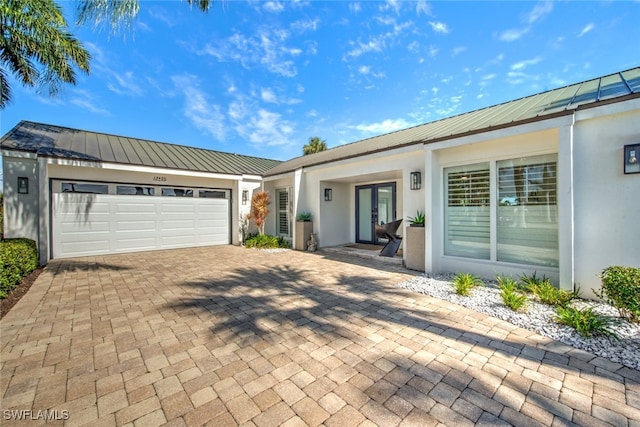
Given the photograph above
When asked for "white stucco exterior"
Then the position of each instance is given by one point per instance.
(597, 204)
(29, 215)
(550, 197)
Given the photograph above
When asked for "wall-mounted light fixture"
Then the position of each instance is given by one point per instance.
(245, 196)
(23, 185)
(328, 194)
(416, 180)
(631, 161)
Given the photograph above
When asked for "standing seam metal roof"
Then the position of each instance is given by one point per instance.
(61, 142)
(545, 105)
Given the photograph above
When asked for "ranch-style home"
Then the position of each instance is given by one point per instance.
(549, 183)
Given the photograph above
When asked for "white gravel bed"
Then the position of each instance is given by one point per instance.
(539, 318)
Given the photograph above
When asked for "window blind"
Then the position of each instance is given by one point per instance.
(467, 229)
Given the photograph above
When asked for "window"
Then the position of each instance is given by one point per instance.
(527, 211)
(283, 216)
(212, 194)
(177, 192)
(131, 190)
(75, 187)
(467, 211)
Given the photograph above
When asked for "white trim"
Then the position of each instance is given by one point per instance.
(518, 130)
(147, 169)
(18, 154)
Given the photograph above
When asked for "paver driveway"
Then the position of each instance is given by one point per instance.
(227, 336)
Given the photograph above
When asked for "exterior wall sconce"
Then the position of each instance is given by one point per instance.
(631, 161)
(416, 181)
(245, 196)
(23, 185)
(328, 194)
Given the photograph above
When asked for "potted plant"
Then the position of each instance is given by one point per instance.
(304, 216)
(304, 228)
(416, 221)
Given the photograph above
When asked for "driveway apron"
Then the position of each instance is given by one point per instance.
(231, 336)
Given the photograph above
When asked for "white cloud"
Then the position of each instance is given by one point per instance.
(526, 63)
(423, 7)
(267, 129)
(355, 7)
(586, 29)
(374, 45)
(364, 69)
(439, 27)
(303, 26)
(382, 127)
(85, 100)
(539, 11)
(205, 115)
(273, 6)
(125, 84)
(513, 34)
(458, 50)
(267, 95)
(433, 51)
(266, 48)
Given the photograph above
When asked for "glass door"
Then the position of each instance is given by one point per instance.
(375, 204)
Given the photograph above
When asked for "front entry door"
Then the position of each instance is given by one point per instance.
(375, 203)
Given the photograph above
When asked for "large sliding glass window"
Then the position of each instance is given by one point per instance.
(527, 211)
(467, 211)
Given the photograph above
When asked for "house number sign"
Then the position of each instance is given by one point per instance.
(160, 178)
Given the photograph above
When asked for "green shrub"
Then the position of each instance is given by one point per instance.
(530, 282)
(18, 257)
(621, 289)
(550, 295)
(587, 322)
(264, 241)
(509, 292)
(464, 282)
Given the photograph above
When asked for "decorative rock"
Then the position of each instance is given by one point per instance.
(539, 318)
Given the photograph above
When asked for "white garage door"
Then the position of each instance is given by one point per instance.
(95, 224)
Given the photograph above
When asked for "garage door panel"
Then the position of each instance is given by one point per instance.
(100, 224)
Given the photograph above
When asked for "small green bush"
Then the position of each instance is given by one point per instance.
(465, 282)
(530, 282)
(621, 289)
(550, 295)
(18, 258)
(587, 322)
(509, 292)
(264, 241)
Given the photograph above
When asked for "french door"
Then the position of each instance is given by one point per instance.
(375, 203)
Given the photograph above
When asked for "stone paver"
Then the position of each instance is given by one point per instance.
(230, 336)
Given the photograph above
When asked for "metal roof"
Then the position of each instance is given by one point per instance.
(61, 142)
(545, 105)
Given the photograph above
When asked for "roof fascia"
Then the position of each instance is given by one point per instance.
(502, 132)
(146, 169)
(630, 104)
(288, 174)
(18, 153)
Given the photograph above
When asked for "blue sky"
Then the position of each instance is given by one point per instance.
(261, 78)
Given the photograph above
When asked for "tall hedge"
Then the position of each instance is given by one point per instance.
(18, 258)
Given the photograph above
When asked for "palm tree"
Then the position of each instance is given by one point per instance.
(37, 47)
(118, 13)
(315, 145)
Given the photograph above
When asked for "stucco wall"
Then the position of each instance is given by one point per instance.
(607, 202)
(20, 210)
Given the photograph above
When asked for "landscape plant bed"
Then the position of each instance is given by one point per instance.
(540, 317)
(18, 292)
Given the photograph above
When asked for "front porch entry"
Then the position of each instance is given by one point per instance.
(375, 203)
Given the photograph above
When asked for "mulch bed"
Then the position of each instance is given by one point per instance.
(18, 292)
